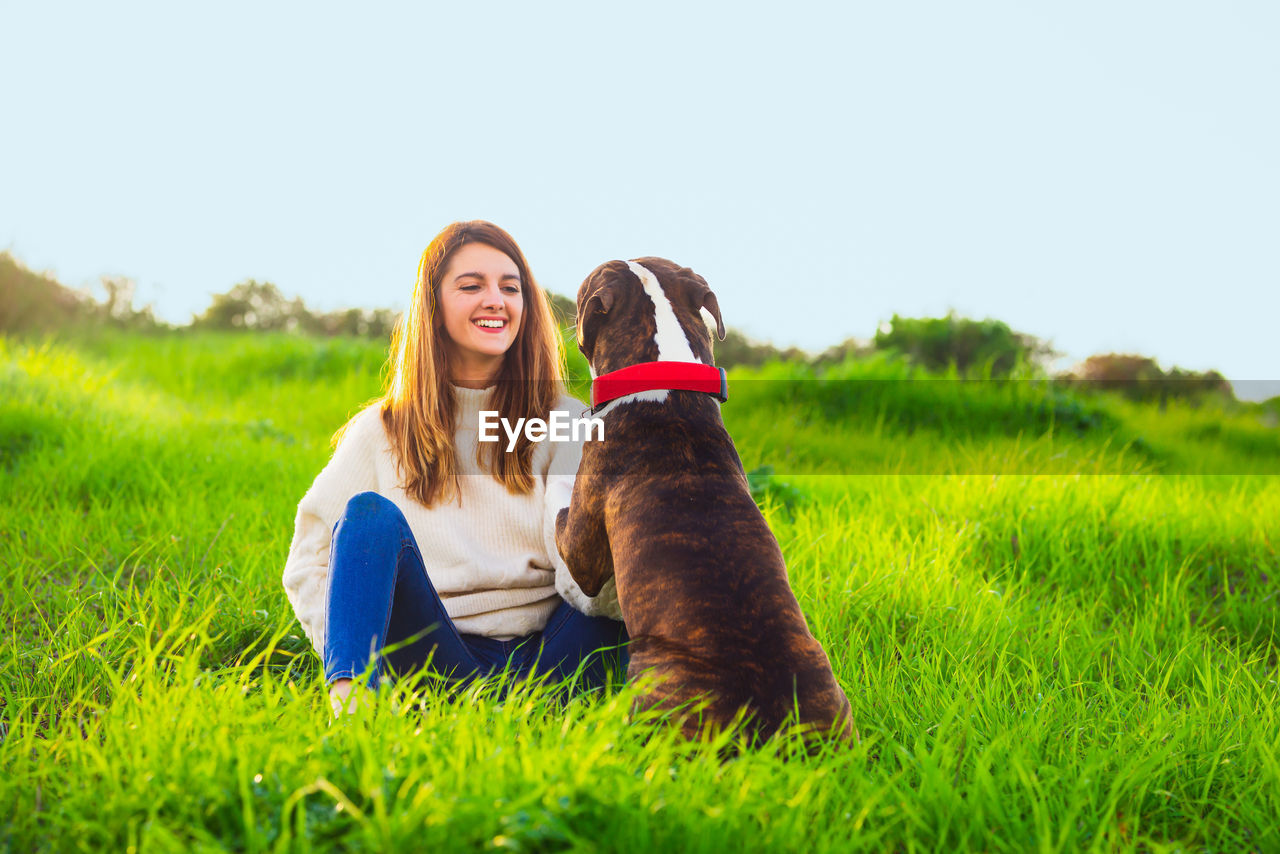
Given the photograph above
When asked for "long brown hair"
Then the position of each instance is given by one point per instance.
(418, 405)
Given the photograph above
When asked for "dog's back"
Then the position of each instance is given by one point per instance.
(701, 579)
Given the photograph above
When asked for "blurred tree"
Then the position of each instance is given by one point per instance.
(118, 308)
(850, 348)
(120, 292)
(361, 322)
(254, 305)
(739, 350)
(37, 301)
(250, 305)
(935, 343)
(1140, 378)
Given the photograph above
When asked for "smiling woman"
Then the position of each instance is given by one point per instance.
(416, 536)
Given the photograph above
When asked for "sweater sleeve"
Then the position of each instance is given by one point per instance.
(306, 571)
(559, 490)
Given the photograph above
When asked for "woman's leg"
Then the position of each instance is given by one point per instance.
(571, 638)
(379, 595)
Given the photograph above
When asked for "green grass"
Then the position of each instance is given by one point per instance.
(1054, 617)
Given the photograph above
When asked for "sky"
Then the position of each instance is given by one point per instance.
(1102, 175)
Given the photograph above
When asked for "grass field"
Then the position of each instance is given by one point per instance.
(1055, 617)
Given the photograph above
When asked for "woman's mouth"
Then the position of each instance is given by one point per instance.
(490, 324)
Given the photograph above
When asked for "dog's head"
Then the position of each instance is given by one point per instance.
(645, 310)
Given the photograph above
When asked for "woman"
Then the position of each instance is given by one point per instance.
(418, 537)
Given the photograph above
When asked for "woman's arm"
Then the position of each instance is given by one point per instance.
(349, 472)
(306, 574)
(560, 478)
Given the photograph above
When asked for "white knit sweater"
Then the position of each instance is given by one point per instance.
(492, 558)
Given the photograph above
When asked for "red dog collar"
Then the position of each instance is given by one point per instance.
(652, 376)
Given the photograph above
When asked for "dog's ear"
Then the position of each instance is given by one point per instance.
(595, 298)
(711, 304)
(591, 316)
(703, 297)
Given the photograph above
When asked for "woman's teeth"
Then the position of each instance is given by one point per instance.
(492, 324)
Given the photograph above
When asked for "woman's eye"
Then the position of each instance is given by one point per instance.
(511, 289)
(469, 287)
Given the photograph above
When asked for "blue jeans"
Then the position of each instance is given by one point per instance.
(379, 596)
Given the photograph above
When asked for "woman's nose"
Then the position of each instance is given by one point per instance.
(493, 297)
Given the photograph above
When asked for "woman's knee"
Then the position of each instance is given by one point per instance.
(365, 504)
(370, 508)
(371, 518)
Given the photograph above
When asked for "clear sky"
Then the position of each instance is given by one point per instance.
(1100, 174)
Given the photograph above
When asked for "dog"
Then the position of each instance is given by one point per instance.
(663, 506)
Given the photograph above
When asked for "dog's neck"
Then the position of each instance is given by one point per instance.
(659, 376)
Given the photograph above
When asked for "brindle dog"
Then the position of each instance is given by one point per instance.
(662, 505)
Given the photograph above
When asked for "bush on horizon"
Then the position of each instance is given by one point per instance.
(1141, 379)
(987, 346)
(37, 302)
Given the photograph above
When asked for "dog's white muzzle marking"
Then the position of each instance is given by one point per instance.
(673, 346)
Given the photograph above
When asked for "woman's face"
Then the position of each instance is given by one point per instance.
(481, 303)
